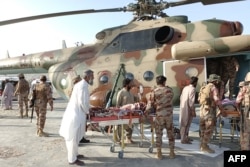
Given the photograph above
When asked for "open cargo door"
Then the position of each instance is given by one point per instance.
(179, 72)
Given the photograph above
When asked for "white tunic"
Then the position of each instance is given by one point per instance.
(74, 119)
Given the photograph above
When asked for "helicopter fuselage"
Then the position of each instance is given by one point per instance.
(145, 48)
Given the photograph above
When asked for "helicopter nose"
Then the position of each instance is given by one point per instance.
(238, 28)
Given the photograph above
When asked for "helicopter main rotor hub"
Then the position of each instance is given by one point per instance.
(148, 8)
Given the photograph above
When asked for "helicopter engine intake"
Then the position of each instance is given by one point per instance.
(164, 34)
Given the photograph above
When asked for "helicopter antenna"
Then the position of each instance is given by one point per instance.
(64, 46)
(7, 54)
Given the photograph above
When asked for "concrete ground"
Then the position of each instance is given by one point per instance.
(20, 147)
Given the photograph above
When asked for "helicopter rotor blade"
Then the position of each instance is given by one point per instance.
(43, 16)
(147, 7)
(204, 2)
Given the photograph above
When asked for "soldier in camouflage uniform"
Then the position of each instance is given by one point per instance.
(208, 113)
(213, 66)
(229, 70)
(161, 99)
(243, 100)
(22, 91)
(124, 96)
(43, 95)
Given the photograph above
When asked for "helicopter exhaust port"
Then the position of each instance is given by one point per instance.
(164, 34)
(238, 28)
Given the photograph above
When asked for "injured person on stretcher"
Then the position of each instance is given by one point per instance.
(130, 110)
(127, 109)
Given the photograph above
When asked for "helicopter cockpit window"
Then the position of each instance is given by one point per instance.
(148, 76)
(104, 79)
(129, 76)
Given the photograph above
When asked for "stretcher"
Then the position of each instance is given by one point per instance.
(233, 116)
(112, 117)
(149, 120)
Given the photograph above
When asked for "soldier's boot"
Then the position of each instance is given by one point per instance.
(205, 148)
(158, 154)
(42, 134)
(171, 154)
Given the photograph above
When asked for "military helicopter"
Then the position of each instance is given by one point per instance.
(151, 44)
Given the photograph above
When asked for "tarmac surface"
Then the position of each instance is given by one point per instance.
(20, 147)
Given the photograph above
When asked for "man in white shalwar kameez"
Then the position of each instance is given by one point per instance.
(73, 124)
(8, 94)
(187, 109)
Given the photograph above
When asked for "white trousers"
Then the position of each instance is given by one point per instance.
(72, 146)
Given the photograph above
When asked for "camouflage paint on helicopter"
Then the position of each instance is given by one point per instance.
(142, 46)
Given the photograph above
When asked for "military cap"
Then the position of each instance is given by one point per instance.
(247, 78)
(242, 83)
(213, 77)
(20, 75)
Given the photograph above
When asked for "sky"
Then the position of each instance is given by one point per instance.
(47, 34)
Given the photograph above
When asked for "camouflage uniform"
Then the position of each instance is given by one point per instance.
(22, 91)
(221, 90)
(243, 100)
(208, 115)
(161, 98)
(212, 66)
(43, 96)
(229, 70)
(125, 97)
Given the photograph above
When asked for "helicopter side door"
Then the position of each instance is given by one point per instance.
(178, 73)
